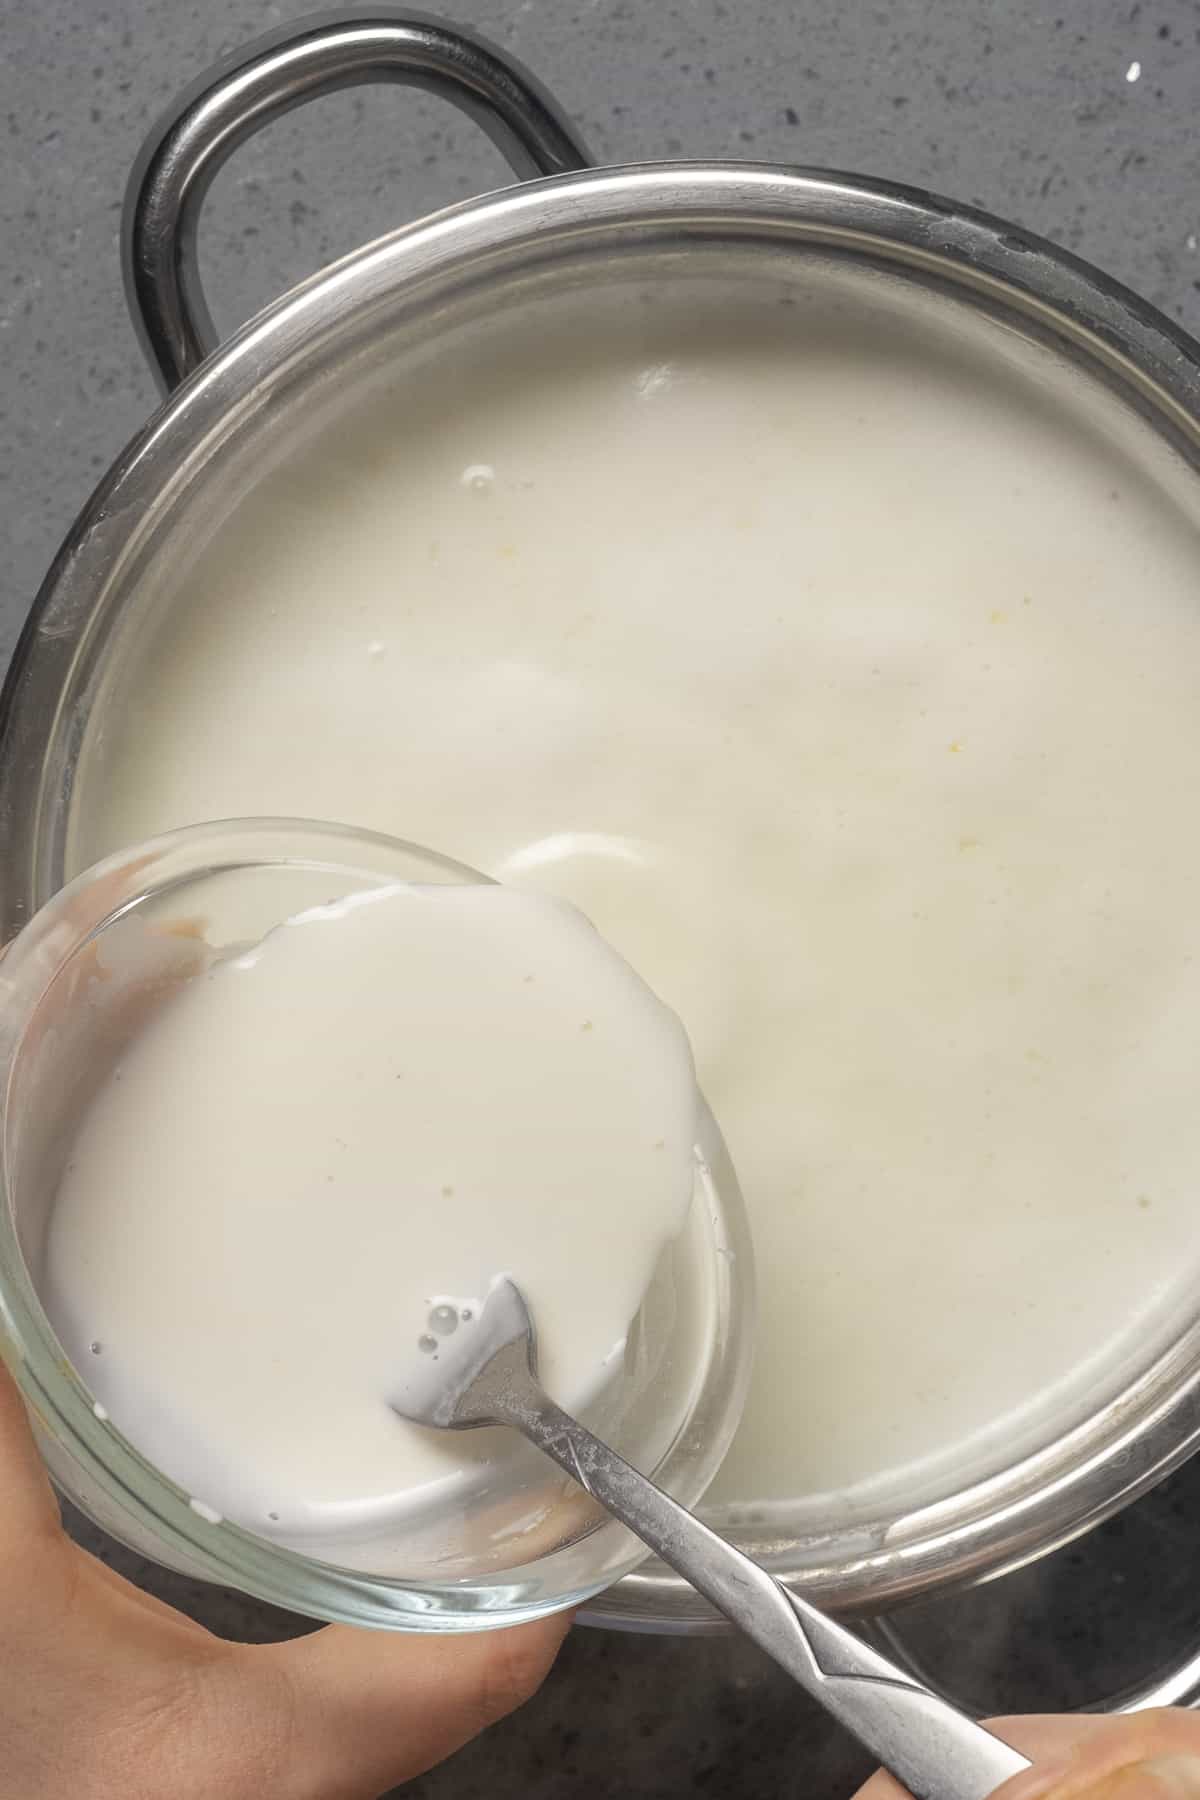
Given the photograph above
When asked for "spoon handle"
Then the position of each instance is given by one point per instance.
(936, 1751)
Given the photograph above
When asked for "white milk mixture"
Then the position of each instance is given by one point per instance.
(846, 677)
(309, 1167)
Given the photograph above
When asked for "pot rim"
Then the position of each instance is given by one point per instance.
(1058, 1492)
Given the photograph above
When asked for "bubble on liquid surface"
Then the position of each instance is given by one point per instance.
(478, 476)
(653, 380)
(443, 1320)
(96, 1347)
(427, 1344)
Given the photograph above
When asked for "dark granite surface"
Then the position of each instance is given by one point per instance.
(656, 1718)
(1028, 109)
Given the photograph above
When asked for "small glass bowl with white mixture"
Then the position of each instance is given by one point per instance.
(77, 988)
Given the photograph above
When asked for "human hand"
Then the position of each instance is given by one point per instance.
(1137, 1756)
(107, 1694)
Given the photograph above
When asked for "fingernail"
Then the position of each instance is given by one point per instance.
(1162, 1778)
(1178, 1777)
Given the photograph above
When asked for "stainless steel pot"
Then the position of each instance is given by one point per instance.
(231, 404)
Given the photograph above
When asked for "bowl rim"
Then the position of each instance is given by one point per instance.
(104, 1474)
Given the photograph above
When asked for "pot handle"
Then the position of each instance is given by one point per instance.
(259, 83)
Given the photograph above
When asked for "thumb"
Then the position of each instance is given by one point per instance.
(1149, 1755)
(1161, 1778)
(370, 1709)
(28, 1510)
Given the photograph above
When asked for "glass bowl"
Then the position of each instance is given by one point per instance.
(76, 986)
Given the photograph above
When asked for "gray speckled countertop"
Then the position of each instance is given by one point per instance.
(1077, 120)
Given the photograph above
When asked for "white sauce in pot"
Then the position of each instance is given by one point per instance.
(847, 676)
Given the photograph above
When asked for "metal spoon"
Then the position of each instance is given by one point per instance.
(486, 1374)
